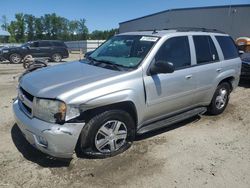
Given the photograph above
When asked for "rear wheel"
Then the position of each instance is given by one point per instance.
(220, 99)
(56, 57)
(15, 58)
(110, 133)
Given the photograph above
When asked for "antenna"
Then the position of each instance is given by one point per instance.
(154, 31)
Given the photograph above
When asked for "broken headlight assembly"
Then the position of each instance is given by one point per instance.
(54, 111)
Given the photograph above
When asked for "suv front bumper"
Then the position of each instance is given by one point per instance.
(52, 139)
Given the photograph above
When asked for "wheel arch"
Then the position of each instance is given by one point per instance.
(127, 106)
(230, 80)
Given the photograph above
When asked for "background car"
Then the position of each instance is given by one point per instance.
(245, 69)
(52, 49)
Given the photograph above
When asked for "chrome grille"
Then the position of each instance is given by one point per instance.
(25, 101)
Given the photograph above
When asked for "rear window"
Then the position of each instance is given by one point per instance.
(44, 44)
(228, 47)
(59, 44)
(205, 49)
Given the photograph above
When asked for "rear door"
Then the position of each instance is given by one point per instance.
(44, 48)
(207, 67)
(167, 94)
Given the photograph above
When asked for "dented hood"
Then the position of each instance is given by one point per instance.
(50, 82)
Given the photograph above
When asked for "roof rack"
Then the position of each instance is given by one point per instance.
(186, 29)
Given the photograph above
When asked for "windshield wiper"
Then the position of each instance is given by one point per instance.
(108, 63)
(97, 62)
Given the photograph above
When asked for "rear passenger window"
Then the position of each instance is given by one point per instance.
(58, 44)
(205, 49)
(175, 50)
(44, 44)
(228, 47)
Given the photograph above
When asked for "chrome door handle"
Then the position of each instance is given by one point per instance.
(219, 70)
(188, 77)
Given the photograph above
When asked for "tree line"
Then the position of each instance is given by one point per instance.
(26, 27)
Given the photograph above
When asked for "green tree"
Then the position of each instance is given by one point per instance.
(102, 35)
(30, 26)
(4, 22)
(46, 22)
(17, 28)
(51, 26)
(82, 30)
(39, 29)
(73, 29)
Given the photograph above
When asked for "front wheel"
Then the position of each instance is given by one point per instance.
(220, 99)
(110, 133)
(15, 58)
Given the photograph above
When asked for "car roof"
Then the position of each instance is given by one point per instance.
(46, 41)
(161, 33)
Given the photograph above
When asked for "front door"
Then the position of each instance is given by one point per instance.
(167, 94)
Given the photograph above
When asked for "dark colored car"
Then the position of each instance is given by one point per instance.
(245, 69)
(1, 58)
(53, 49)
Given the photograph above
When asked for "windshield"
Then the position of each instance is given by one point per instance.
(26, 44)
(125, 50)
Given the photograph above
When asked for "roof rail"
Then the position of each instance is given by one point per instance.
(186, 29)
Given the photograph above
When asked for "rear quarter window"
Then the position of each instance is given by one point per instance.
(228, 47)
(59, 44)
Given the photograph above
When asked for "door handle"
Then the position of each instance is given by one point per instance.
(219, 70)
(188, 77)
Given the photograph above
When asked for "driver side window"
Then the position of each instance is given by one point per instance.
(34, 45)
(175, 50)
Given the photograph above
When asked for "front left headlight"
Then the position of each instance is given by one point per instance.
(53, 111)
(5, 51)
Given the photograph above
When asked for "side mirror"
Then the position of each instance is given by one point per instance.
(161, 67)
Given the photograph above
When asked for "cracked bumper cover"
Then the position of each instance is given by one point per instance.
(61, 139)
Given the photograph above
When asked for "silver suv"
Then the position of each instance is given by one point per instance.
(134, 83)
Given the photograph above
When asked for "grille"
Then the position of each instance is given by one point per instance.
(25, 101)
(27, 95)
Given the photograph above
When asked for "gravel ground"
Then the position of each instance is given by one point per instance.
(200, 152)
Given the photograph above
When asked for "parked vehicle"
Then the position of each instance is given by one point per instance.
(134, 83)
(245, 70)
(1, 58)
(53, 49)
(243, 44)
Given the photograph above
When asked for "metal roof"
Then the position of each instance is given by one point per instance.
(4, 33)
(161, 33)
(192, 8)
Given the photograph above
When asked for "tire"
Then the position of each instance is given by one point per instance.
(56, 57)
(220, 99)
(109, 133)
(15, 58)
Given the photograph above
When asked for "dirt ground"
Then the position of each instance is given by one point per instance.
(200, 152)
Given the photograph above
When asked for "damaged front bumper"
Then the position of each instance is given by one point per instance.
(52, 139)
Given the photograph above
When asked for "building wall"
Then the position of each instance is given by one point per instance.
(234, 20)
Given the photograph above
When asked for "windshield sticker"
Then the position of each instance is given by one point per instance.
(149, 39)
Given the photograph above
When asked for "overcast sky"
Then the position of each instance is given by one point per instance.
(102, 14)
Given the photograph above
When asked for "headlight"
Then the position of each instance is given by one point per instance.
(72, 112)
(52, 111)
(5, 51)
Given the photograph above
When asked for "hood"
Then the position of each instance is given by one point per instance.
(10, 47)
(53, 81)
